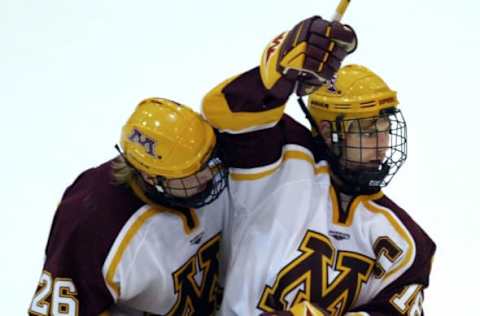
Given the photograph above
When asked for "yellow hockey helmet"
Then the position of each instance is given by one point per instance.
(357, 93)
(356, 98)
(166, 139)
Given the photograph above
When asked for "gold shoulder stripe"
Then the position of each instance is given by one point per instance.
(132, 231)
(353, 207)
(366, 201)
(217, 111)
(321, 169)
(252, 176)
(289, 154)
(358, 200)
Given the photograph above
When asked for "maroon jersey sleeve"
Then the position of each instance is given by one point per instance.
(242, 104)
(86, 223)
(253, 128)
(405, 295)
(263, 147)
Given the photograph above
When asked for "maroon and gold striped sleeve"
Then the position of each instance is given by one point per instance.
(242, 104)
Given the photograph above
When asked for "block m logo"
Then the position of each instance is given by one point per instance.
(147, 143)
(321, 274)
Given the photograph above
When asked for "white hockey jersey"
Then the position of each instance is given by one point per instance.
(109, 252)
(287, 240)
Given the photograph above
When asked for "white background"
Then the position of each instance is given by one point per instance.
(72, 71)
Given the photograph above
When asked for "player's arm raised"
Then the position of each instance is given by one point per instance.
(298, 61)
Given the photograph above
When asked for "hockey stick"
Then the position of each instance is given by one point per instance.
(340, 11)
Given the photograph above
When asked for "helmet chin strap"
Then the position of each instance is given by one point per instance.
(308, 115)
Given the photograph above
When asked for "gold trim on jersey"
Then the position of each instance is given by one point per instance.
(353, 206)
(287, 155)
(217, 111)
(366, 201)
(399, 229)
(132, 231)
(186, 227)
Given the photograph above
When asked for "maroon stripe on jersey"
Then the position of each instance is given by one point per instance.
(263, 147)
(425, 247)
(418, 273)
(246, 92)
(90, 216)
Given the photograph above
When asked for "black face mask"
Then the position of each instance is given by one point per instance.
(368, 177)
(210, 191)
(363, 179)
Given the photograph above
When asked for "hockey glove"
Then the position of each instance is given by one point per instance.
(307, 56)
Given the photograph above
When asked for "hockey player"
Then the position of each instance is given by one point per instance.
(140, 233)
(311, 232)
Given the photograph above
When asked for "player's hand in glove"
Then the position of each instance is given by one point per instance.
(308, 55)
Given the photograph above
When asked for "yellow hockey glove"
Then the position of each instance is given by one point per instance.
(308, 55)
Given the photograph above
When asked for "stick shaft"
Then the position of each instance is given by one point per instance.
(340, 11)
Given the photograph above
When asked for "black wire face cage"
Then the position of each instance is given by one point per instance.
(368, 152)
(189, 192)
(194, 191)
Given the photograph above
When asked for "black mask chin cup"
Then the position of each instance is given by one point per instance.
(359, 181)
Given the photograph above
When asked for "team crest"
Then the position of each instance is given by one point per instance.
(146, 142)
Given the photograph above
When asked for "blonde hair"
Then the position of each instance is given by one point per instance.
(122, 173)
